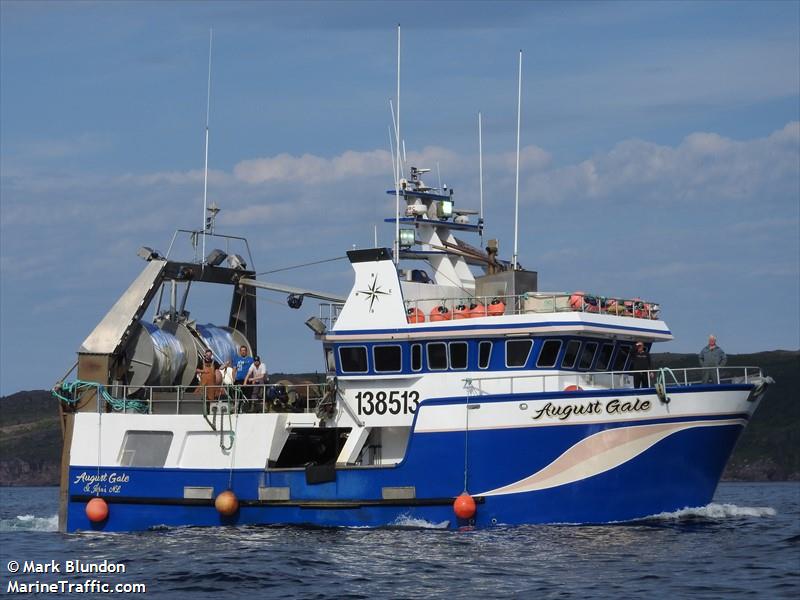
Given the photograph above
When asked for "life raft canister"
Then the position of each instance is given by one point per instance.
(476, 309)
(497, 308)
(415, 315)
(461, 312)
(440, 313)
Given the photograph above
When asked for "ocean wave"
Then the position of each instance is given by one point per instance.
(416, 523)
(716, 512)
(29, 523)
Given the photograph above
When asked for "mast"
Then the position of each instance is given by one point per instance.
(205, 169)
(516, 185)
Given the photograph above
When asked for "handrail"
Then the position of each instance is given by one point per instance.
(594, 379)
(257, 398)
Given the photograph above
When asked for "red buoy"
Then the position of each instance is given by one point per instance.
(461, 312)
(226, 503)
(440, 313)
(97, 510)
(573, 388)
(476, 309)
(464, 506)
(497, 308)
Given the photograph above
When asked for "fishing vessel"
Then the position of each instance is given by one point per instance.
(455, 392)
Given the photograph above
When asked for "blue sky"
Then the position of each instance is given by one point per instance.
(661, 153)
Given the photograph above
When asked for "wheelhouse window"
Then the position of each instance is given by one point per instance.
(416, 357)
(517, 352)
(571, 354)
(387, 359)
(458, 355)
(437, 356)
(484, 354)
(587, 356)
(353, 359)
(604, 357)
(549, 353)
(623, 352)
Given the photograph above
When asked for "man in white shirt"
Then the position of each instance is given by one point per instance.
(256, 376)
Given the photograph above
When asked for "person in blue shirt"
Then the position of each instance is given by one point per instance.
(242, 364)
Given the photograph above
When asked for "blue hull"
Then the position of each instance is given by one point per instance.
(679, 471)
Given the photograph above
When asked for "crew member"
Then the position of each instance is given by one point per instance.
(711, 357)
(641, 364)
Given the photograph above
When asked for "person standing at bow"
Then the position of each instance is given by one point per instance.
(711, 358)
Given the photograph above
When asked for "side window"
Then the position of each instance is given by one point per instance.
(484, 354)
(623, 352)
(330, 362)
(437, 356)
(517, 352)
(145, 448)
(416, 357)
(587, 356)
(458, 355)
(570, 354)
(387, 359)
(605, 357)
(549, 353)
(353, 359)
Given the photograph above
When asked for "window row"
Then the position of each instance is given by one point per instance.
(573, 354)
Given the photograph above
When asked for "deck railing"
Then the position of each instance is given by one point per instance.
(198, 399)
(529, 302)
(670, 378)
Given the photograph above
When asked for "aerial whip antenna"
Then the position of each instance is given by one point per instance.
(206, 223)
(480, 170)
(397, 155)
(516, 187)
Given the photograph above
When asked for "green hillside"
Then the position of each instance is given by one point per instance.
(769, 449)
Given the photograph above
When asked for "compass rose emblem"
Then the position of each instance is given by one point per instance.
(373, 292)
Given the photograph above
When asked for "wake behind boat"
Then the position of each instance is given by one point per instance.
(455, 392)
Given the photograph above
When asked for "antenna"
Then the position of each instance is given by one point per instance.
(205, 170)
(405, 160)
(516, 187)
(480, 169)
(397, 154)
(439, 175)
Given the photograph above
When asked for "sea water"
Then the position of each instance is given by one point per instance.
(745, 544)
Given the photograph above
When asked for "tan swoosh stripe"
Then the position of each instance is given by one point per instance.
(601, 452)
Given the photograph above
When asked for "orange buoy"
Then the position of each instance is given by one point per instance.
(497, 308)
(440, 313)
(97, 510)
(576, 301)
(415, 315)
(226, 503)
(461, 312)
(476, 309)
(464, 506)
(573, 388)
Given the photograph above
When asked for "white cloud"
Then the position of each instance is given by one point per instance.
(312, 169)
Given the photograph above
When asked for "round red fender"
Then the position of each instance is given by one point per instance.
(226, 503)
(97, 510)
(573, 388)
(464, 506)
